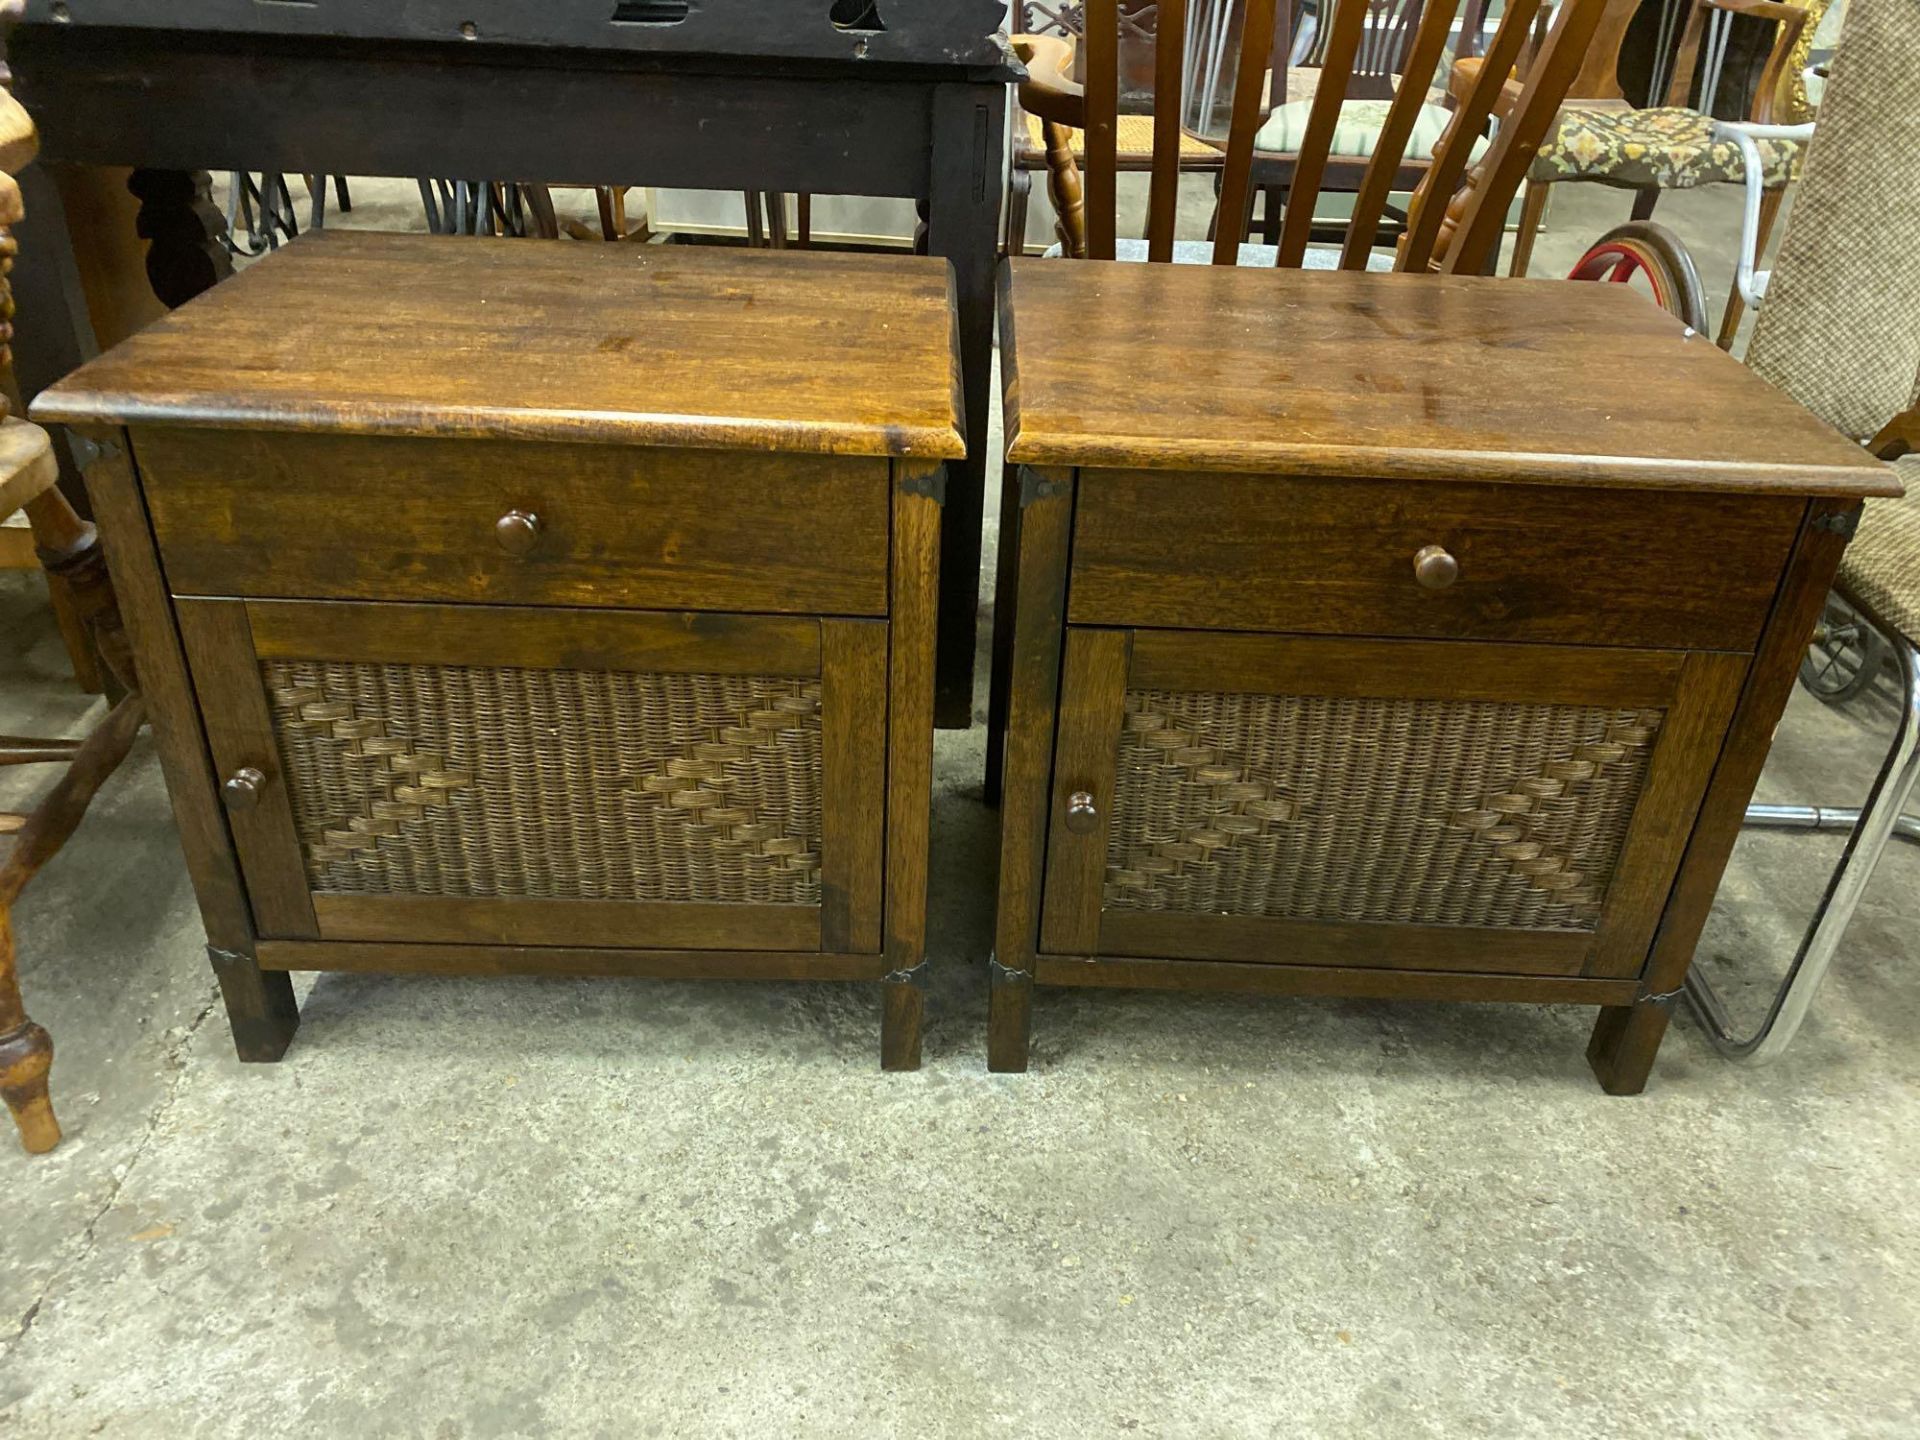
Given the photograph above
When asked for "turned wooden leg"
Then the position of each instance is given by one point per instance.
(261, 1009)
(185, 228)
(1009, 1018)
(903, 1013)
(26, 1055)
(1626, 1038)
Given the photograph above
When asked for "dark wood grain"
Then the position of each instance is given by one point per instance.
(487, 958)
(910, 697)
(853, 774)
(1330, 981)
(1396, 376)
(1093, 689)
(260, 1007)
(638, 925)
(1399, 947)
(1046, 517)
(1676, 780)
(1401, 669)
(376, 518)
(609, 344)
(240, 735)
(537, 638)
(1627, 1038)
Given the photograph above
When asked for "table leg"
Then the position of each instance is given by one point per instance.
(963, 224)
(184, 228)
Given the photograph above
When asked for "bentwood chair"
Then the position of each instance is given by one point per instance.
(70, 551)
(1840, 331)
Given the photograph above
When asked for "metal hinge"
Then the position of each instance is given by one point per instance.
(1839, 522)
(1034, 486)
(930, 483)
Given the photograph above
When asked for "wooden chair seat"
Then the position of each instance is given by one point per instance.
(1356, 133)
(1133, 146)
(27, 467)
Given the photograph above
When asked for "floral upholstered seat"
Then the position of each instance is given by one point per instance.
(1667, 148)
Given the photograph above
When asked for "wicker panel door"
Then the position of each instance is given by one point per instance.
(1436, 805)
(549, 777)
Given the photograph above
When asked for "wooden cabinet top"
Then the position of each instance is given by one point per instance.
(1203, 367)
(785, 351)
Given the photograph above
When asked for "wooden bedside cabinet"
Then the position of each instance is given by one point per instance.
(1389, 635)
(520, 607)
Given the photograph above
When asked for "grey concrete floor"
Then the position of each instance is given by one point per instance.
(492, 1208)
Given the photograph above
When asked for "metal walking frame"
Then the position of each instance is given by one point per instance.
(1869, 829)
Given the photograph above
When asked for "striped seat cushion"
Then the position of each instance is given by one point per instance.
(1357, 133)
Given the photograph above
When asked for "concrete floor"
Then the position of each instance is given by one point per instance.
(493, 1208)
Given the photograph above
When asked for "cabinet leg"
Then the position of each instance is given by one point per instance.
(903, 1012)
(1625, 1040)
(1009, 1019)
(260, 1005)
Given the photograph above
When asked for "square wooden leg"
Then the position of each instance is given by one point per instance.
(1626, 1038)
(1009, 1020)
(260, 1005)
(902, 1015)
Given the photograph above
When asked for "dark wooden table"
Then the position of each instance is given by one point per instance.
(793, 95)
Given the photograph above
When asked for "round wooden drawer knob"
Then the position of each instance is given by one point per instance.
(518, 531)
(1434, 568)
(1082, 815)
(244, 788)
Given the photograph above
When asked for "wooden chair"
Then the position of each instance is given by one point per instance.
(1047, 140)
(70, 552)
(1384, 56)
(1455, 221)
(1673, 146)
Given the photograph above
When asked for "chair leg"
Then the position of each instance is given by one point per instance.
(1064, 190)
(1770, 201)
(803, 218)
(1643, 203)
(1533, 209)
(1879, 818)
(26, 1055)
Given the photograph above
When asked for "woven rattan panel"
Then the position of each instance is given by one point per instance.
(551, 784)
(1424, 811)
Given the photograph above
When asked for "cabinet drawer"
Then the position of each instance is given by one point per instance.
(1591, 567)
(547, 777)
(381, 518)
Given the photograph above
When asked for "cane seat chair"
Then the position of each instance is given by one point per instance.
(1455, 221)
(1840, 331)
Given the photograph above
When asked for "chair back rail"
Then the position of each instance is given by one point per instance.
(1459, 207)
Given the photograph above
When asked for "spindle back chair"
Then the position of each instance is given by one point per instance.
(1459, 209)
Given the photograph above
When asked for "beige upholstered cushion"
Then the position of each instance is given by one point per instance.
(1357, 133)
(1200, 252)
(1881, 568)
(1132, 143)
(1840, 329)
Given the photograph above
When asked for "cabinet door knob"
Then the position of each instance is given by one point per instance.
(518, 531)
(1082, 814)
(1434, 568)
(244, 788)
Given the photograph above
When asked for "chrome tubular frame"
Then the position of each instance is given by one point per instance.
(1870, 828)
